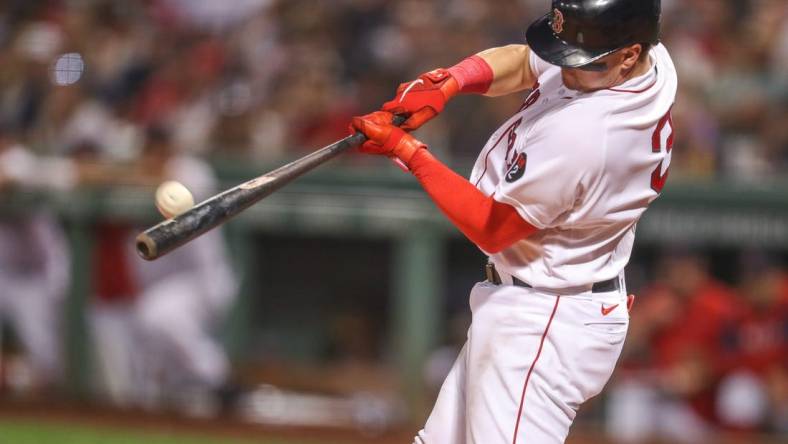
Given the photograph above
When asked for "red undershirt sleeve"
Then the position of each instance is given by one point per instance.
(492, 225)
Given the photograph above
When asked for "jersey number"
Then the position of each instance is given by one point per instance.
(658, 142)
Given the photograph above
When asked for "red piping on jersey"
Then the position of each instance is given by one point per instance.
(533, 364)
(487, 156)
(492, 225)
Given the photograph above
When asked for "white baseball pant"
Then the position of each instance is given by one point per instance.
(530, 360)
(175, 319)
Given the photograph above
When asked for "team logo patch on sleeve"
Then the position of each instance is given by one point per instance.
(518, 168)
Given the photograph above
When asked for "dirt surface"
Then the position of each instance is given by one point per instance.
(102, 416)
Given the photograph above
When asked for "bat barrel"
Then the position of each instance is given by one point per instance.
(172, 233)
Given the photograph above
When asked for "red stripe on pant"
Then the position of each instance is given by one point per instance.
(533, 364)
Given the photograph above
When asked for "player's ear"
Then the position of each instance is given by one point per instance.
(630, 56)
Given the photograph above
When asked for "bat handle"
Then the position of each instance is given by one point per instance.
(399, 119)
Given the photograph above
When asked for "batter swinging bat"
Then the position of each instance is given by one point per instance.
(172, 233)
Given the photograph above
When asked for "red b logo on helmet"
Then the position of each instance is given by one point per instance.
(557, 22)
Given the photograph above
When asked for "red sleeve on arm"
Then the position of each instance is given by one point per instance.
(492, 225)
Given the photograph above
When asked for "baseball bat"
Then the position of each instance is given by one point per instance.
(172, 233)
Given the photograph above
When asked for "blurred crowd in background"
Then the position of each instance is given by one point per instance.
(704, 353)
(259, 79)
(145, 88)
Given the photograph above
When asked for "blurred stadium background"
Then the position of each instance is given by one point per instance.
(332, 311)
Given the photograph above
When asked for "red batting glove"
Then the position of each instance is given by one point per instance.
(423, 98)
(385, 138)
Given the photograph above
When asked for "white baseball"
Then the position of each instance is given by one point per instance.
(172, 199)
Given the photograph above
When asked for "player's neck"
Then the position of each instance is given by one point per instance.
(640, 68)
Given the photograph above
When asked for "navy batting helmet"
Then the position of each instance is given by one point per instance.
(579, 32)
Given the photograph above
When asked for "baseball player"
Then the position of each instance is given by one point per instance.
(157, 344)
(34, 266)
(553, 199)
(183, 299)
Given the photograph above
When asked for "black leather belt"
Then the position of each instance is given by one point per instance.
(597, 287)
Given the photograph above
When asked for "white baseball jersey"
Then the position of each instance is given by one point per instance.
(34, 276)
(581, 167)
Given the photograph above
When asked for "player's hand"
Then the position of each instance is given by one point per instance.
(385, 138)
(423, 98)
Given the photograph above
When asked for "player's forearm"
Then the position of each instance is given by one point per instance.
(492, 225)
(511, 69)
